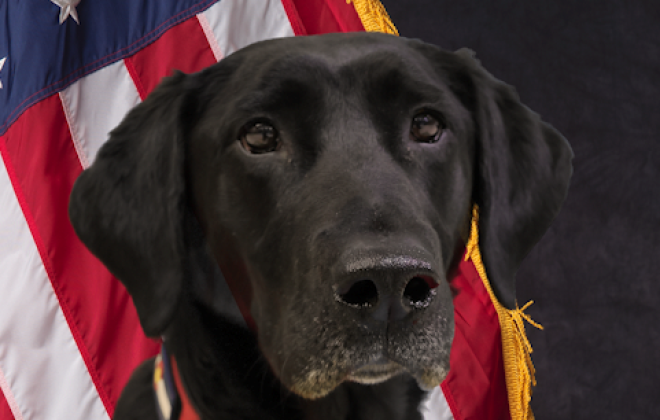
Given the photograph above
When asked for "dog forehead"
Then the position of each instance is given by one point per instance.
(305, 69)
(329, 56)
(337, 47)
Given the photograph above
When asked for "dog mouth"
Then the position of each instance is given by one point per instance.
(376, 372)
(384, 369)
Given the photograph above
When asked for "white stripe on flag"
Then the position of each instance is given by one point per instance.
(96, 104)
(37, 350)
(210, 36)
(238, 23)
(435, 407)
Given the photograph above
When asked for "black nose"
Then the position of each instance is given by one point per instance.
(388, 288)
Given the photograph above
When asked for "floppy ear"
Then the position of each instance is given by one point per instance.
(129, 207)
(523, 168)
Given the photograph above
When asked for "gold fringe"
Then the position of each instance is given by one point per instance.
(516, 349)
(373, 15)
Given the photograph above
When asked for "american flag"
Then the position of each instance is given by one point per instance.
(69, 72)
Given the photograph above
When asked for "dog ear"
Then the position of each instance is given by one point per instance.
(129, 207)
(523, 168)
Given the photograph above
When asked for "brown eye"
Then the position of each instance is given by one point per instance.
(259, 138)
(426, 128)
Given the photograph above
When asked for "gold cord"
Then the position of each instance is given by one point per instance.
(516, 348)
(373, 15)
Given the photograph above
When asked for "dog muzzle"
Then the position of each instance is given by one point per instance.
(482, 323)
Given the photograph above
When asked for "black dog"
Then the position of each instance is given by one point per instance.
(331, 179)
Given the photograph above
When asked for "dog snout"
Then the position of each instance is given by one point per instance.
(387, 287)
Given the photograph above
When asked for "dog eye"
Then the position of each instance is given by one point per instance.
(259, 138)
(426, 128)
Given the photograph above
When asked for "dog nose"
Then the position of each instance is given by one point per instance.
(389, 295)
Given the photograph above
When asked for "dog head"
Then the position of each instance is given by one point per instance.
(332, 178)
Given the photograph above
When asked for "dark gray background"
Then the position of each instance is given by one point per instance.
(591, 69)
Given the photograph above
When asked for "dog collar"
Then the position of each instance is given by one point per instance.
(172, 402)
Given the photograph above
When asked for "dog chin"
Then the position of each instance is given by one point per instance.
(319, 384)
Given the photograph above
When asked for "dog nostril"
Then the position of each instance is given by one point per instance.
(419, 291)
(362, 293)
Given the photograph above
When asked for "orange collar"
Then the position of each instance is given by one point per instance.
(171, 397)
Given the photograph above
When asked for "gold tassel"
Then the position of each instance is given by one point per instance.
(516, 349)
(374, 17)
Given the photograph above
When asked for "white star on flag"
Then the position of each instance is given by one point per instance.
(67, 8)
(2, 63)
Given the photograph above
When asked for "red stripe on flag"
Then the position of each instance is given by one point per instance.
(475, 387)
(325, 16)
(43, 165)
(184, 47)
(5, 411)
(294, 18)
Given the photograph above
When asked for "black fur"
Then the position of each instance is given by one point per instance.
(174, 199)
